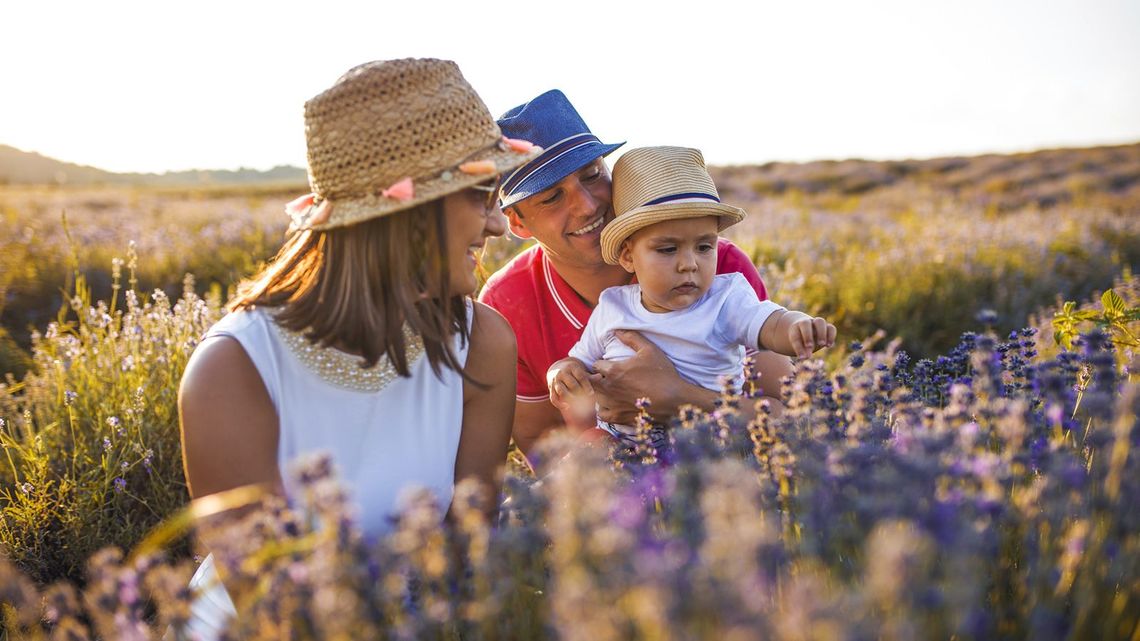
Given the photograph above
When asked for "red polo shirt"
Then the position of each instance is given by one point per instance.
(548, 316)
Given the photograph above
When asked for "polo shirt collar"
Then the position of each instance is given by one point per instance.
(576, 311)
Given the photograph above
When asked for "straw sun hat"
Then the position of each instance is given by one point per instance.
(655, 184)
(390, 135)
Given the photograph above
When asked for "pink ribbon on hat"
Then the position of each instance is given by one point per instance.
(300, 206)
(402, 190)
(476, 167)
(304, 213)
(518, 145)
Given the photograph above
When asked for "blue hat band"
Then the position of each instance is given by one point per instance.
(672, 197)
(551, 154)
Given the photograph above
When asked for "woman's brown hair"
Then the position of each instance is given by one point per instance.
(354, 288)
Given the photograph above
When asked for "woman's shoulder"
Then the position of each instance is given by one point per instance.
(493, 354)
(221, 360)
(238, 321)
(229, 422)
(218, 361)
(490, 332)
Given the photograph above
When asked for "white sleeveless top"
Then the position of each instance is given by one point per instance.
(381, 443)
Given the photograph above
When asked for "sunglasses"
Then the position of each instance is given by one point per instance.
(491, 188)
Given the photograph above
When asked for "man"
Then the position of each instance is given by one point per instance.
(562, 199)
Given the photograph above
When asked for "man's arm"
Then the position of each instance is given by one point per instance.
(650, 374)
(773, 369)
(534, 420)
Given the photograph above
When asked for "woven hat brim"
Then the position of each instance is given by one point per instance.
(560, 168)
(626, 224)
(349, 211)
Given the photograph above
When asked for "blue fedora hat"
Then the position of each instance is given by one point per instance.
(550, 122)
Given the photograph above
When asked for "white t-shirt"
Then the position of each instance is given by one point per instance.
(705, 341)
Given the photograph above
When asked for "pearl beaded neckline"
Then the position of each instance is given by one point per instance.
(346, 370)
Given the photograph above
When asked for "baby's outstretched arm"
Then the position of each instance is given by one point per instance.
(569, 383)
(794, 333)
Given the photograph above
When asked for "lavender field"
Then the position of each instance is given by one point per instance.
(951, 472)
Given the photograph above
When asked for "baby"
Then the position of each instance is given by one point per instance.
(665, 233)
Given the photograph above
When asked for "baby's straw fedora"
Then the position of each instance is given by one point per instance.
(654, 184)
(390, 135)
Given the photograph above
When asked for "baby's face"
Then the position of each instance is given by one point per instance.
(674, 260)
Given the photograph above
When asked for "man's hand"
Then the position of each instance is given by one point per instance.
(647, 374)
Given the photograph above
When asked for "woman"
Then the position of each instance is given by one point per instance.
(359, 338)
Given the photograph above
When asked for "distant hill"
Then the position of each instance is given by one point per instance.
(1107, 175)
(29, 168)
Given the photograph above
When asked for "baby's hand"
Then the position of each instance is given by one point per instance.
(809, 334)
(569, 383)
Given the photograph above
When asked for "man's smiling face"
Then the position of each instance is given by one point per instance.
(567, 219)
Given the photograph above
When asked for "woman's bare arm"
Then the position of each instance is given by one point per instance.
(488, 413)
(229, 434)
(229, 424)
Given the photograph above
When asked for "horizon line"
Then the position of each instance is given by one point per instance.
(994, 151)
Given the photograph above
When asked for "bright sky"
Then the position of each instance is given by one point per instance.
(161, 85)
